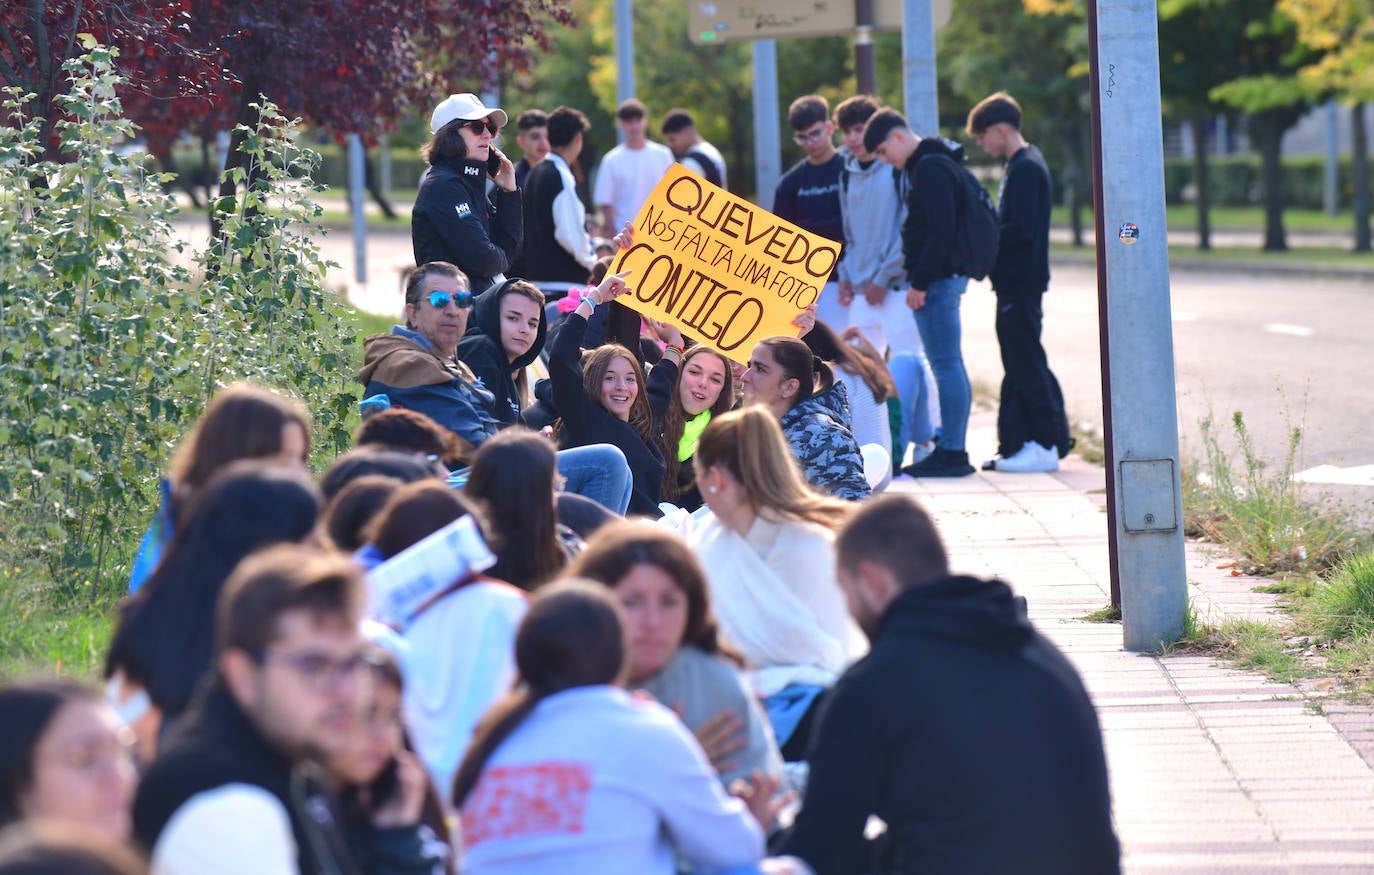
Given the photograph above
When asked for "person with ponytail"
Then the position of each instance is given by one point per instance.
(768, 551)
(859, 365)
(801, 391)
(686, 389)
(570, 773)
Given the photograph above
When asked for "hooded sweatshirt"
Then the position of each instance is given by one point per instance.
(970, 735)
(873, 210)
(481, 350)
(404, 366)
(932, 209)
(818, 430)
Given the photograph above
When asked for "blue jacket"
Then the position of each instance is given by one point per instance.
(818, 430)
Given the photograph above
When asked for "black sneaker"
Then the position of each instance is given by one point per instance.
(941, 463)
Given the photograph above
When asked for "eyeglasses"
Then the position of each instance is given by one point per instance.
(801, 138)
(320, 672)
(440, 300)
(481, 124)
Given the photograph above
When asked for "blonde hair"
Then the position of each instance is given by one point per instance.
(750, 444)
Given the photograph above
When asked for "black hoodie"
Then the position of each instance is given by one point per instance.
(971, 736)
(454, 221)
(481, 350)
(932, 210)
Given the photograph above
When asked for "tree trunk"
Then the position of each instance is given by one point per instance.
(1198, 123)
(1359, 161)
(1266, 132)
(374, 186)
(247, 117)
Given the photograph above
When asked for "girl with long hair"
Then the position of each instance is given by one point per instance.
(541, 789)
(768, 551)
(603, 399)
(858, 364)
(513, 477)
(801, 392)
(675, 651)
(686, 388)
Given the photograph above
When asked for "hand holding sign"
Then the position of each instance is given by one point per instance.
(722, 269)
(806, 320)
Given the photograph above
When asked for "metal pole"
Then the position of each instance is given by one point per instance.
(387, 181)
(1139, 405)
(1331, 189)
(767, 135)
(624, 55)
(919, 89)
(865, 56)
(356, 183)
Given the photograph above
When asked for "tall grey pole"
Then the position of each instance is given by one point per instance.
(1330, 191)
(1139, 407)
(865, 55)
(356, 182)
(920, 92)
(767, 136)
(624, 55)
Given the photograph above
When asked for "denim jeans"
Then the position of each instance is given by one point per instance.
(598, 472)
(941, 333)
(909, 374)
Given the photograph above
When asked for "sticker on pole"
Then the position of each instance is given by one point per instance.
(1129, 233)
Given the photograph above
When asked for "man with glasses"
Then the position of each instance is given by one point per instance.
(232, 790)
(809, 194)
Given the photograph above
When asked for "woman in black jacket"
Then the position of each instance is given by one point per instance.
(604, 400)
(505, 335)
(452, 219)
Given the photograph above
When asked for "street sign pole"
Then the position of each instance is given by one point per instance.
(920, 92)
(865, 55)
(1140, 413)
(767, 136)
(624, 55)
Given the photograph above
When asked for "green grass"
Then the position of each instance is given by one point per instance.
(1183, 217)
(1297, 256)
(1104, 614)
(1247, 644)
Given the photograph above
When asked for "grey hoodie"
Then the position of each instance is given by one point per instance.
(873, 214)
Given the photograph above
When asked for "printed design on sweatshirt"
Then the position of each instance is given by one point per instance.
(464, 210)
(818, 190)
(509, 802)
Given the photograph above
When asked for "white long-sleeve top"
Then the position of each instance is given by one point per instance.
(597, 782)
(570, 217)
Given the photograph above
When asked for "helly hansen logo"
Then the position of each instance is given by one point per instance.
(469, 170)
(464, 210)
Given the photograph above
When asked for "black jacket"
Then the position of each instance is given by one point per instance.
(931, 210)
(480, 349)
(586, 422)
(1023, 216)
(971, 736)
(661, 386)
(454, 221)
(545, 259)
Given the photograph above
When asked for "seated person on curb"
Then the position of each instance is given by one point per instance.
(676, 652)
(415, 366)
(234, 788)
(603, 400)
(813, 408)
(768, 553)
(504, 336)
(964, 730)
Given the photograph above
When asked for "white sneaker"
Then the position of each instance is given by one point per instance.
(1030, 459)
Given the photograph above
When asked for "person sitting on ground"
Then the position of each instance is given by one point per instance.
(769, 557)
(383, 781)
(233, 789)
(813, 408)
(65, 757)
(243, 421)
(461, 639)
(686, 389)
(858, 364)
(602, 400)
(675, 651)
(505, 335)
(624, 806)
(513, 479)
(62, 849)
(409, 431)
(964, 730)
(163, 641)
(347, 517)
(363, 461)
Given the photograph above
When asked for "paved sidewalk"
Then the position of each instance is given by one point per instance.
(1212, 769)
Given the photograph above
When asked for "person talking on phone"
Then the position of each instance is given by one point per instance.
(454, 220)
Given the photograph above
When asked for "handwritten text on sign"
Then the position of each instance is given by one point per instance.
(726, 272)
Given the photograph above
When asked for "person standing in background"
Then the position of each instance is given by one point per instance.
(630, 171)
(809, 194)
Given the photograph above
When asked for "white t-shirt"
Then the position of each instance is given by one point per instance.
(627, 177)
(596, 782)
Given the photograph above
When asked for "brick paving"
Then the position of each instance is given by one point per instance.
(1212, 769)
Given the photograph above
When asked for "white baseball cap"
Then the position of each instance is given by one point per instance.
(465, 107)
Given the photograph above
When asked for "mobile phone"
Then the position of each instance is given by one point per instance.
(494, 157)
(386, 784)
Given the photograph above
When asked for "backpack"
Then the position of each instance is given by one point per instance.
(976, 228)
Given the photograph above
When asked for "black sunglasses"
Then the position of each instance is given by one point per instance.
(478, 124)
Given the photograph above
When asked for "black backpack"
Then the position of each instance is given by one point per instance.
(976, 227)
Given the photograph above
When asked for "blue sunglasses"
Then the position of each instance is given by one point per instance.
(439, 300)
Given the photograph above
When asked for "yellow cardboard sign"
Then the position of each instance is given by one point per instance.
(724, 271)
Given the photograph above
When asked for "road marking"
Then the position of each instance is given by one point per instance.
(1359, 475)
(1292, 330)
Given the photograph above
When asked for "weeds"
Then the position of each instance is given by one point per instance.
(1104, 614)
